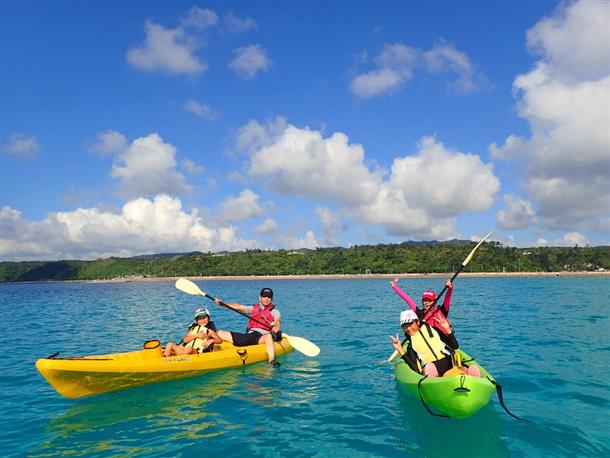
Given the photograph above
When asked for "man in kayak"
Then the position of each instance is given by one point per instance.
(428, 351)
(432, 317)
(200, 337)
(263, 327)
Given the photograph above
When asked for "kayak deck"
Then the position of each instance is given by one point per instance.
(457, 396)
(88, 375)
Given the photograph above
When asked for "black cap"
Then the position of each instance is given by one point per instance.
(267, 292)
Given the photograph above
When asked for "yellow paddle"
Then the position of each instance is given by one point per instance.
(464, 264)
(298, 343)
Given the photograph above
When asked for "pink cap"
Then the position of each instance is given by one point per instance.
(428, 294)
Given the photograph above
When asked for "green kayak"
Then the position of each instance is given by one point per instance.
(456, 396)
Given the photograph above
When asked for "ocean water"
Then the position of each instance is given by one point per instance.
(546, 340)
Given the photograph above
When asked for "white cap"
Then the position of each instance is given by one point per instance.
(407, 317)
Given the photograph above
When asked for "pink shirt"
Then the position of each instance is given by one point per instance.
(431, 320)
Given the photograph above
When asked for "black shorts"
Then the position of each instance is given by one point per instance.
(245, 340)
(443, 365)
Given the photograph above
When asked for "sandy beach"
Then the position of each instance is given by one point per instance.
(605, 273)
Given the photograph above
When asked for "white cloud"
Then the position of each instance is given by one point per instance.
(269, 226)
(517, 213)
(331, 222)
(240, 208)
(147, 167)
(142, 226)
(200, 110)
(192, 168)
(109, 142)
(21, 144)
(250, 60)
(394, 68)
(237, 25)
(294, 243)
(173, 50)
(411, 202)
(396, 63)
(302, 162)
(445, 57)
(565, 99)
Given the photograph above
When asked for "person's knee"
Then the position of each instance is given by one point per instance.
(430, 370)
(474, 371)
(266, 339)
(225, 335)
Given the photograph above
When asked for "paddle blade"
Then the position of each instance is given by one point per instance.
(188, 287)
(392, 356)
(469, 257)
(303, 345)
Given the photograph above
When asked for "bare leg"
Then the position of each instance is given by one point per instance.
(225, 335)
(268, 341)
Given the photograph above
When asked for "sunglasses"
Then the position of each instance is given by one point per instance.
(202, 316)
(266, 295)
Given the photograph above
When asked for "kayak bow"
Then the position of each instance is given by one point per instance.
(456, 396)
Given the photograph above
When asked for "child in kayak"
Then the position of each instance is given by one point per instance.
(432, 317)
(263, 327)
(428, 351)
(200, 337)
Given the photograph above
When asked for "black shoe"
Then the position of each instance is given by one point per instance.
(274, 363)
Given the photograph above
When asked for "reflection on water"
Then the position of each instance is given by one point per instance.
(181, 411)
(478, 435)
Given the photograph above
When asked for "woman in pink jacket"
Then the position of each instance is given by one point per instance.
(428, 297)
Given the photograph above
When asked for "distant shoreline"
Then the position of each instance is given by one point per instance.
(357, 276)
(142, 279)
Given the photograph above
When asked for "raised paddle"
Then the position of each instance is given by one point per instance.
(298, 343)
(464, 264)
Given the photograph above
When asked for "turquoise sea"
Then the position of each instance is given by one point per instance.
(546, 340)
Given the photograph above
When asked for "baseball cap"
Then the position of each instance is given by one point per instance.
(428, 294)
(266, 292)
(407, 317)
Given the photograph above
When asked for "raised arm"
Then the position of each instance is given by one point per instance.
(447, 301)
(234, 305)
(404, 296)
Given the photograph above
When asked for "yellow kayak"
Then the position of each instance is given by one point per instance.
(80, 376)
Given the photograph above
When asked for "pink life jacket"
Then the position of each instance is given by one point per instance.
(263, 315)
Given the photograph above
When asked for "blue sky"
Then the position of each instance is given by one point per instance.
(132, 128)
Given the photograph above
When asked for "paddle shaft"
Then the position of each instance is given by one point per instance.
(236, 311)
(464, 263)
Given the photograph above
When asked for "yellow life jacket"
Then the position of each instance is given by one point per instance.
(428, 348)
(197, 344)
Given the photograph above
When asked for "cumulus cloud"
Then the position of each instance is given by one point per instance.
(394, 67)
(307, 241)
(141, 226)
(516, 214)
(238, 25)
(331, 222)
(446, 58)
(250, 60)
(304, 163)
(269, 226)
(109, 142)
(147, 167)
(21, 144)
(173, 50)
(565, 99)
(201, 110)
(396, 63)
(240, 208)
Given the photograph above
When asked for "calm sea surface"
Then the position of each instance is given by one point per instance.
(546, 340)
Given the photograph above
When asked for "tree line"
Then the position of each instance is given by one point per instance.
(408, 257)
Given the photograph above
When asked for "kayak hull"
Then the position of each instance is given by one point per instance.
(457, 396)
(89, 375)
